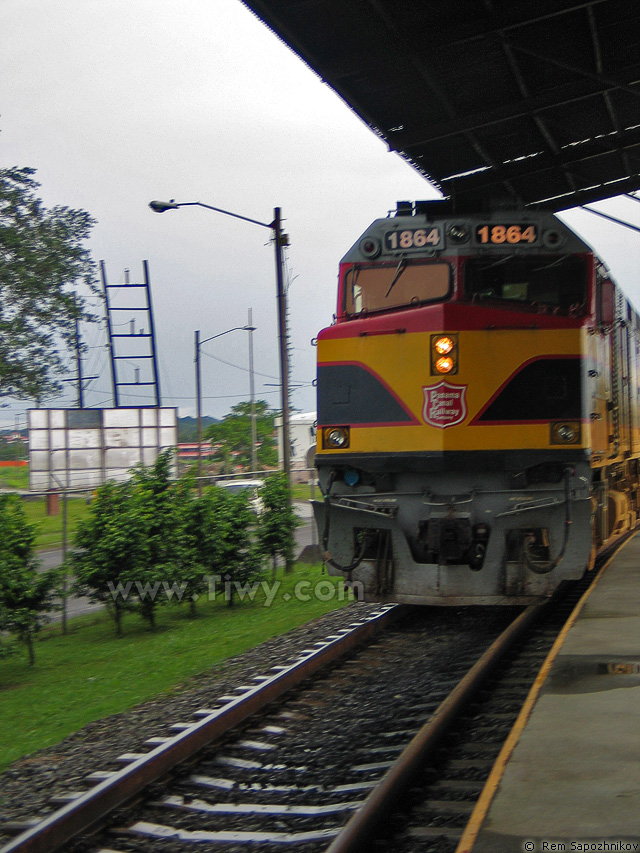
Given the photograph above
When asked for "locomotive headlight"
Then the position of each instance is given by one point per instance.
(444, 364)
(370, 247)
(565, 432)
(458, 233)
(335, 438)
(444, 354)
(443, 346)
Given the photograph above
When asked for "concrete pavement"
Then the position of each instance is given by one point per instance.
(572, 781)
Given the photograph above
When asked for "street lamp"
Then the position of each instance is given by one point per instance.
(279, 240)
(198, 344)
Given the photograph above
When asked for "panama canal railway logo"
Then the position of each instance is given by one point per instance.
(444, 404)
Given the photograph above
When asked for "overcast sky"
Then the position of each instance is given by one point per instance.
(116, 103)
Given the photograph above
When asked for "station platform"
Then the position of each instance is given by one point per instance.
(568, 778)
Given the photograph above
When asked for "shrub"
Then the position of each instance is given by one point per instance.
(26, 594)
(109, 547)
(278, 520)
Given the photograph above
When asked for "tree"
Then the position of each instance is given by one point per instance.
(109, 544)
(278, 520)
(25, 593)
(41, 255)
(217, 535)
(234, 434)
(202, 544)
(159, 503)
(12, 451)
(238, 559)
(130, 548)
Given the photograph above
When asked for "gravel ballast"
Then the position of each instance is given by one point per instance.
(28, 785)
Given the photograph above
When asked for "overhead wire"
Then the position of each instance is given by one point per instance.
(237, 366)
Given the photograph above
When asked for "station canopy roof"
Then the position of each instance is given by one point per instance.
(536, 103)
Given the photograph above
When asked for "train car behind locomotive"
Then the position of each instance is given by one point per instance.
(478, 422)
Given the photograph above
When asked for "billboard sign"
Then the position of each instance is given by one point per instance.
(82, 448)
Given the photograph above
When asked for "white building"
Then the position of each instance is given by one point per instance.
(302, 435)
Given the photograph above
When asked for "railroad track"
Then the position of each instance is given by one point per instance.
(326, 766)
(424, 804)
(111, 789)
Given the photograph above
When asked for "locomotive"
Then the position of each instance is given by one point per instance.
(478, 422)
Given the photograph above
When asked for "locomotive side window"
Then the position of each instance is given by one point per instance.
(381, 287)
(554, 284)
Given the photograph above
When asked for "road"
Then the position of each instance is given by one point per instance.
(306, 536)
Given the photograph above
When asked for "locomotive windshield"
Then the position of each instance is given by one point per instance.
(381, 287)
(554, 284)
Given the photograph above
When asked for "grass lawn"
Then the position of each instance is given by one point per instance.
(14, 477)
(304, 492)
(90, 673)
(49, 527)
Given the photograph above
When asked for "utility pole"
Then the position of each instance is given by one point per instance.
(198, 412)
(63, 489)
(252, 397)
(79, 360)
(105, 291)
(282, 337)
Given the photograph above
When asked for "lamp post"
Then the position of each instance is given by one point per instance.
(279, 240)
(198, 344)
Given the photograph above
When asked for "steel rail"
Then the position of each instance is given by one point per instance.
(84, 812)
(358, 834)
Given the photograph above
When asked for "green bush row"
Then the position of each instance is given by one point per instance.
(144, 543)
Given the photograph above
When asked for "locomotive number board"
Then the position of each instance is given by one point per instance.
(414, 238)
(497, 235)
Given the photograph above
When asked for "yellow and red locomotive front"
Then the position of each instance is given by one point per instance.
(454, 431)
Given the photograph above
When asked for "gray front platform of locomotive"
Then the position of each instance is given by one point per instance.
(574, 777)
(490, 500)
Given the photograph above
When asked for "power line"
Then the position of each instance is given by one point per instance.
(238, 366)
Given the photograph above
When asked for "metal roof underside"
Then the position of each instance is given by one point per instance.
(536, 103)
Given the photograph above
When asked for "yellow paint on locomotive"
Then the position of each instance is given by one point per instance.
(486, 360)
